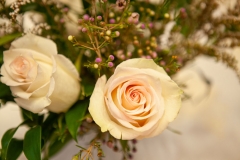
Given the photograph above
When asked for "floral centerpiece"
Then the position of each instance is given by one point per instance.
(105, 67)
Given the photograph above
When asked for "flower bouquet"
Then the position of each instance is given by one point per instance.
(105, 67)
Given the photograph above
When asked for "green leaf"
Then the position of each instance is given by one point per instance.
(32, 144)
(28, 114)
(6, 139)
(15, 149)
(124, 144)
(75, 116)
(5, 91)
(7, 38)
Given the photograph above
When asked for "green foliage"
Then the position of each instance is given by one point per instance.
(15, 149)
(75, 116)
(9, 37)
(5, 94)
(32, 143)
(6, 140)
(29, 115)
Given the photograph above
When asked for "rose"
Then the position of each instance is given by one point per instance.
(138, 100)
(39, 77)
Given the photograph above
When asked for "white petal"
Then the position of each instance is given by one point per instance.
(65, 91)
(36, 43)
(34, 105)
(141, 63)
(66, 65)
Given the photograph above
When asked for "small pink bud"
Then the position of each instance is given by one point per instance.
(98, 60)
(150, 25)
(111, 57)
(99, 18)
(84, 29)
(142, 26)
(91, 19)
(117, 33)
(112, 21)
(86, 17)
(110, 64)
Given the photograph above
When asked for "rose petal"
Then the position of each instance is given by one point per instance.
(99, 113)
(34, 105)
(36, 43)
(65, 85)
(141, 63)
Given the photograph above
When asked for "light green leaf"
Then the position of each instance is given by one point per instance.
(32, 143)
(7, 38)
(15, 149)
(75, 116)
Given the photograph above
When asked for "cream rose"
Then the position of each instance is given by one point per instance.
(39, 77)
(138, 100)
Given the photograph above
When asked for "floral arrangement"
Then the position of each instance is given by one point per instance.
(105, 68)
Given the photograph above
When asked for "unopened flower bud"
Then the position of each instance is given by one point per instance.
(110, 64)
(86, 17)
(152, 13)
(91, 19)
(111, 14)
(70, 37)
(117, 33)
(108, 32)
(89, 119)
(111, 57)
(142, 26)
(84, 29)
(166, 15)
(99, 18)
(112, 21)
(95, 66)
(98, 60)
(107, 38)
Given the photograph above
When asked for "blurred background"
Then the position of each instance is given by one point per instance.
(208, 121)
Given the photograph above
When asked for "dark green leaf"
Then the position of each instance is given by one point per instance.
(88, 89)
(124, 144)
(28, 114)
(75, 116)
(6, 139)
(15, 149)
(9, 37)
(32, 144)
(5, 91)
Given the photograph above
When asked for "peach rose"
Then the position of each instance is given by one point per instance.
(138, 100)
(39, 77)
